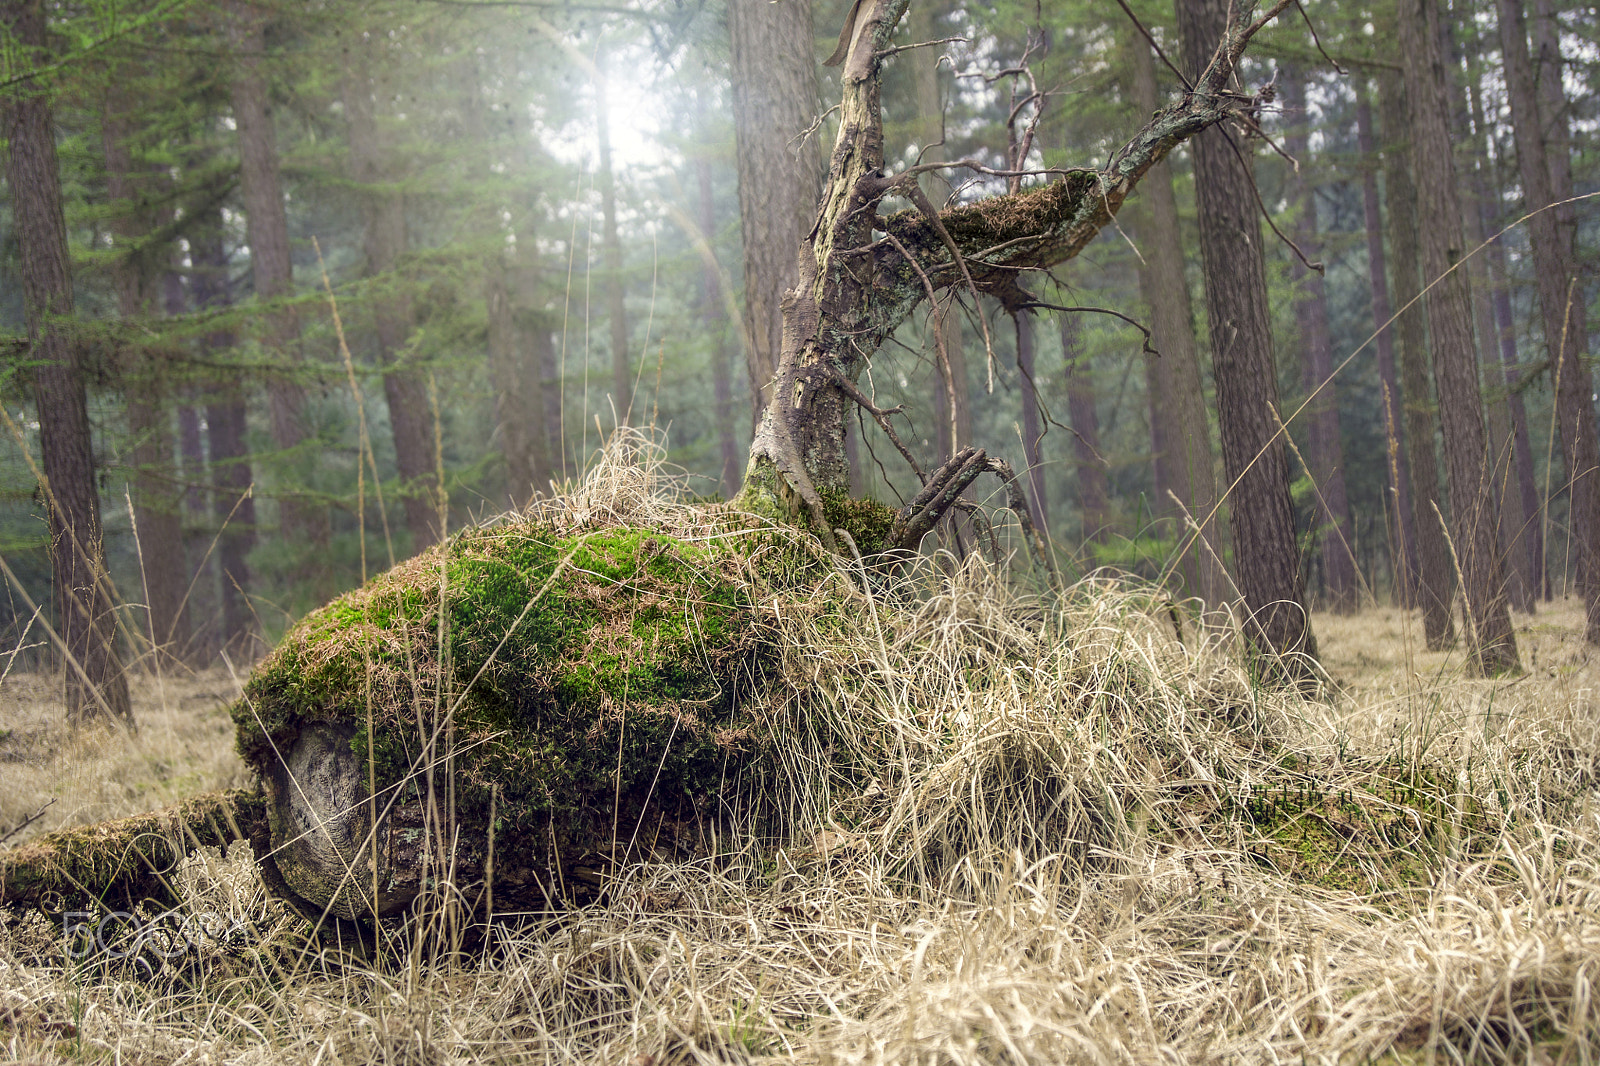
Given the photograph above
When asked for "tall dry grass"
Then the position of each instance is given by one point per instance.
(1027, 835)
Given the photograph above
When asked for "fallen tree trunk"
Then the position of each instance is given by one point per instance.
(122, 863)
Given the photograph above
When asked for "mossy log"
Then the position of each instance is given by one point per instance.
(517, 708)
(121, 863)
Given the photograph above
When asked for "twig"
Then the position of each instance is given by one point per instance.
(1040, 305)
(29, 820)
(897, 49)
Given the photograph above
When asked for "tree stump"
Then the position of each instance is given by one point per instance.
(508, 714)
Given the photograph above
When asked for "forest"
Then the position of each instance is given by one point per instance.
(1131, 461)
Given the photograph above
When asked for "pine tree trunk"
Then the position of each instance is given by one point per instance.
(506, 374)
(616, 302)
(1436, 577)
(1524, 541)
(1531, 540)
(1561, 297)
(384, 242)
(233, 500)
(715, 317)
(157, 504)
(1455, 365)
(1266, 556)
(303, 522)
(1031, 433)
(96, 687)
(1180, 429)
(1332, 501)
(1402, 529)
(774, 102)
(1089, 472)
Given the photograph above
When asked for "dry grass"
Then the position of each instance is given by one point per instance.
(184, 746)
(1025, 846)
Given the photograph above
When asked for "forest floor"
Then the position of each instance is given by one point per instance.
(1153, 944)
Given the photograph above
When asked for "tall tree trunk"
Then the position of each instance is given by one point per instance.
(1455, 364)
(157, 504)
(1402, 530)
(1524, 543)
(616, 303)
(1332, 501)
(1032, 435)
(507, 374)
(1089, 473)
(1436, 580)
(1531, 539)
(774, 101)
(1180, 430)
(233, 500)
(1253, 454)
(384, 242)
(1561, 300)
(303, 522)
(715, 316)
(96, 687)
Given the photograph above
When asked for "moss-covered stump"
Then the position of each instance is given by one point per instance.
(580, 698)
(125, 862)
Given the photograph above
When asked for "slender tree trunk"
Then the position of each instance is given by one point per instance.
(233, 500)
(1180, 430)
(715, 316)
(157, 504)
(1455, 364)
(507, 375)
(1436, 580)
(616, 304)
(303, 522)
(1253, 454)
(1332, 501)
(1090, 470)
(774, 102)
(1402, 530)
(1524, 543)
(96, 687)
(404, 386)
(1532, 532)
(1561, 297)
(1032, 435)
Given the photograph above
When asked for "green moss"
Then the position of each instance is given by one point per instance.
(570, 660)
(1384, 831)
(865, 519)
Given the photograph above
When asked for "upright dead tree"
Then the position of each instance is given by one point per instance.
(855, 288)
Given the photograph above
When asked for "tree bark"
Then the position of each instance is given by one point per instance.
(616, 302)
(1332, 501)
(1032, 434)
(1094, 506)
(774, 102)
(1402, 529)
(1436, 577)
(233, 501)
(96, 687)
(1253, 453)
(137, 271)
(302, 520)
(1180, 431)
(384, 243)
(1455, 365)
(1561, 298)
